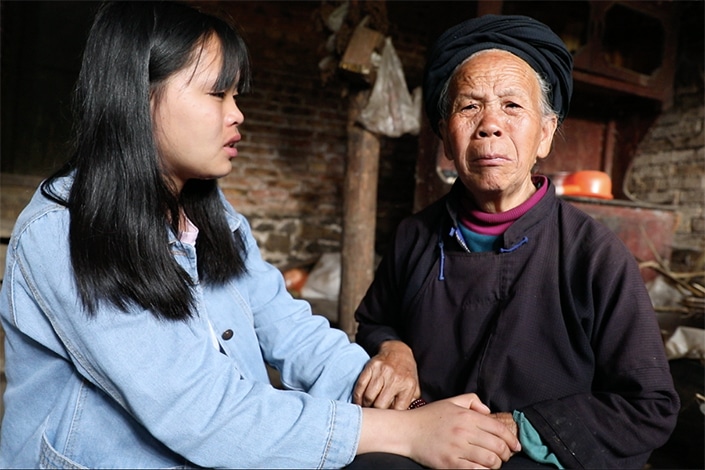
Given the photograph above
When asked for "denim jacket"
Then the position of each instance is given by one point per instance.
(124, 389)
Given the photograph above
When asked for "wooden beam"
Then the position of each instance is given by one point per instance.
(359, 214)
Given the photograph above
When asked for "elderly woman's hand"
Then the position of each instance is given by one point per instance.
(390, 379)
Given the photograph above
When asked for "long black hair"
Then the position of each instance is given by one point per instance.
(122, 206)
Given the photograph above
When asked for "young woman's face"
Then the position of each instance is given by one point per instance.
(197, 129)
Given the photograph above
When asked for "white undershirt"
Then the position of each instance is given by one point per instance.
(189, 237)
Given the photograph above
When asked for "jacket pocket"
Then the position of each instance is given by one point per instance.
(49, 458)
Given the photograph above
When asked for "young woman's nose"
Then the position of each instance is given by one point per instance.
(234, 116)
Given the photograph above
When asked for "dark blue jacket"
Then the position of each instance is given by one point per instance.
(557, 324)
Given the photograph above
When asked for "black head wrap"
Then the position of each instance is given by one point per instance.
(525, 37)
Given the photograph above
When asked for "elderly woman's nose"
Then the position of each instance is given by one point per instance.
(489, 124)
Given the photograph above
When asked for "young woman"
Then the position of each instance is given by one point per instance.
(138, 312)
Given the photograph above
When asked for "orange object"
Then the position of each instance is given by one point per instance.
(295, 278)
(588, 183)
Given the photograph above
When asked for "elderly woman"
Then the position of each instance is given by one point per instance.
(504, 290)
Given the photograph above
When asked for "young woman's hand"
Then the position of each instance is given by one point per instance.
(458, 432)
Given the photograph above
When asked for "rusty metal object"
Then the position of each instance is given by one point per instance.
(646, 230)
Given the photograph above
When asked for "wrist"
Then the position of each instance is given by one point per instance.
(394, 346)
(388, 431)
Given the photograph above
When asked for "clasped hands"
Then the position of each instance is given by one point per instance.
(457, 432)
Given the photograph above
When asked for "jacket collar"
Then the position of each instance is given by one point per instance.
(517, 231)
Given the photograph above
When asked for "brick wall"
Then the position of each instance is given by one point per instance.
(669, 167)
(289, 175)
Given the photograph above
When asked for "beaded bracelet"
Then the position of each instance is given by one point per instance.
(418, 403)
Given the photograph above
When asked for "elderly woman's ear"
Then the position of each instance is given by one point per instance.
(442, 133)
(548, 130)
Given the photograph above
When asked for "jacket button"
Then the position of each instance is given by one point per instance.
(227, 334)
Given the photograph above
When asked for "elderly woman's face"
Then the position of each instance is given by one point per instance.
(496, 130)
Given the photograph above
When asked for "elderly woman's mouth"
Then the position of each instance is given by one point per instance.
(489, 160)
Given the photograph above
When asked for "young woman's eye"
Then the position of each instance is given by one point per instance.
(218, 94)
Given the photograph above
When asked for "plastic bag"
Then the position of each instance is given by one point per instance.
(324, 279)
(335, 20)
(686, 342)
(391, 109)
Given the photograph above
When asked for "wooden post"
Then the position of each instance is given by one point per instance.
(359, 215)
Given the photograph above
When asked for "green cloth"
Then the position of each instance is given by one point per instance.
(531, 443)
(477, 242)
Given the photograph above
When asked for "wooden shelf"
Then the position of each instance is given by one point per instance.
(627, 47)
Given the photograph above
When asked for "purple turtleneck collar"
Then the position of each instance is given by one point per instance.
(485, 223)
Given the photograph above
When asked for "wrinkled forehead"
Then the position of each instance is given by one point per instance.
(493, 68)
